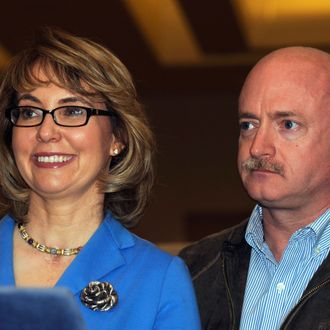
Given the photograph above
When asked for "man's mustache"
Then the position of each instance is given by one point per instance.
(262, 164)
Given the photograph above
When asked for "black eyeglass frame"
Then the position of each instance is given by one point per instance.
(90, 112)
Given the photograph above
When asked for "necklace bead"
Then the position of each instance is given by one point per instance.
(44, 248)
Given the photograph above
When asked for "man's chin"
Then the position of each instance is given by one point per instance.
(264, 198)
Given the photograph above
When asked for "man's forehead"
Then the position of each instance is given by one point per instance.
(293, 63)
(297, 56)
(286, 82)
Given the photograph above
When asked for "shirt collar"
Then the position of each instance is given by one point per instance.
(254, 234)
(320, 229)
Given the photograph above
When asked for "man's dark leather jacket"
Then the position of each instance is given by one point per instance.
(219, 266)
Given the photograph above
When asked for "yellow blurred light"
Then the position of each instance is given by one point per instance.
(275, 23)
(168, 34)
(264, 23)
(4, 57)
(165, 29)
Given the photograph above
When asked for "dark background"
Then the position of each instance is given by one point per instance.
(191, 102)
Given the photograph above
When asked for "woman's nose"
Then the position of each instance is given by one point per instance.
(48, 131)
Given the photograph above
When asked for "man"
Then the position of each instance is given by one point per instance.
(273, 271)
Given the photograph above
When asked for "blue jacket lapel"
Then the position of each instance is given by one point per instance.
(101, 255)
(7, 225)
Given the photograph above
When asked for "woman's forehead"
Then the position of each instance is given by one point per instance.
(82, 89)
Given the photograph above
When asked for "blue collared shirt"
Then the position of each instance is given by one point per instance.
(274, 288)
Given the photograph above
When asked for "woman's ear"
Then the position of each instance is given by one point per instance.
(116, 149)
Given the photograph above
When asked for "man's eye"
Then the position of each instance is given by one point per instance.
(290, 124)
(246, 125)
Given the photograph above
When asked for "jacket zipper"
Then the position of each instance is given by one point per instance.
(296, 309)
(231, 303)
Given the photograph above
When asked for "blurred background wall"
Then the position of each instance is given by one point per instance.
(189, 59)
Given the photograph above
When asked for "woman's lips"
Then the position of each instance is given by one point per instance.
(53, 160)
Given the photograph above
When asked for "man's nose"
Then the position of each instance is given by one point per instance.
(263, 143)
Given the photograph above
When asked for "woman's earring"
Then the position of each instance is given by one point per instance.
(115, 151)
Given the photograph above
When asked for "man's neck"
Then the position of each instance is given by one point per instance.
(279, 225)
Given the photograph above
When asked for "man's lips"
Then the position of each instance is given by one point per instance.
(261, 170)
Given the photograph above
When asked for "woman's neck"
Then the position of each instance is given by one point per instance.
(63, 223)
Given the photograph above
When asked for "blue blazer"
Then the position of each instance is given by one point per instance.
(154, 288)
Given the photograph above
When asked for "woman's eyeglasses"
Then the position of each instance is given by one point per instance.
(67, 116)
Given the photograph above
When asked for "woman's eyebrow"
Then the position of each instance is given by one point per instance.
(70, 99)
(29, 97)
(73, 99)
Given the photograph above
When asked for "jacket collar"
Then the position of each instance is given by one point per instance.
(101, 255)
(235, 264)
(7, 226)
(236, 239)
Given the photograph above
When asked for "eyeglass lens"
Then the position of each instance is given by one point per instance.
(67, 116)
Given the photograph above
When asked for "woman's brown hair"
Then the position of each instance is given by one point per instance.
(87, 68)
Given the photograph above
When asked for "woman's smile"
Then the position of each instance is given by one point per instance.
(52, 160)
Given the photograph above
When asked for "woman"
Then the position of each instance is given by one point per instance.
(75, 170)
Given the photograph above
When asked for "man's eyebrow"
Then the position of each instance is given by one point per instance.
(247, 115)
(276, 115)
(284, 114)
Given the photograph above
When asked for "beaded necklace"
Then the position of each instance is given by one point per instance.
(44, 248)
